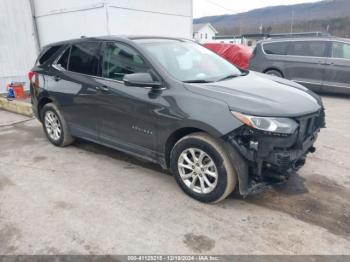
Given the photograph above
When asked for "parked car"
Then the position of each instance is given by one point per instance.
(176, 103)
(239, 55)
(321, 64)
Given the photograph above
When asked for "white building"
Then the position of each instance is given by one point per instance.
(28, 25)
(203, 33)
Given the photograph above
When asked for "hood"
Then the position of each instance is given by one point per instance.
(261, 95)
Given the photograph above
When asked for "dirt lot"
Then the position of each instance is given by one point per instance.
(87, 199)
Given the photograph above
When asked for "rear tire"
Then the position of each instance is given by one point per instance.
(202, 168)
(274, 73)
(55, 126)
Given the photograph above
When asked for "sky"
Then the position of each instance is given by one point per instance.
(218, 7)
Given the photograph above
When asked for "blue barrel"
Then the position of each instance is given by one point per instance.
(11, 94)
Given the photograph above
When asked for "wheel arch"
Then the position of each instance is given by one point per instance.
(41, 103)
(215, 130)
(274, 69)
(176, 136)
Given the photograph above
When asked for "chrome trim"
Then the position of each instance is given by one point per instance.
(333, 85)
(306, 82)
(321, 84)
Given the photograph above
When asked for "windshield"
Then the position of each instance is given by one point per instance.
(190, 62)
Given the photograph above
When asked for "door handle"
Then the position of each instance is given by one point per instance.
(102, 88)
(56, 78)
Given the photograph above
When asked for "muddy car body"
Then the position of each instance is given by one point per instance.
(177, 104)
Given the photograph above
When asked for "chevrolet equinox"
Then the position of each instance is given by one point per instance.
(173, 102)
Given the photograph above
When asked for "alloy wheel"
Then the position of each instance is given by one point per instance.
(198, 170)
(53, 125)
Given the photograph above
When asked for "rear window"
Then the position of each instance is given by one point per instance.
(341, 50)
(308, 48)
(276, 48)
(48, 53)
(84, 58)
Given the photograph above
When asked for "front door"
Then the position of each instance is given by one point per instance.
(337, 76)
(126, 114)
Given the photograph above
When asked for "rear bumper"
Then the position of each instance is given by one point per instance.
(273, 158)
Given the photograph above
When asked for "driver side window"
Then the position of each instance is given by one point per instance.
(120, 60)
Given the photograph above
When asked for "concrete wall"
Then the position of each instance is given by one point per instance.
(66, 19)
(166, 18)
(59, 20)
(18, 49)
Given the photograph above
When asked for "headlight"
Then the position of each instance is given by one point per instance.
(269, 124)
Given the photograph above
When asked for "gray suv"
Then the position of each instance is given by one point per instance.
(320, 64)
(175, 103)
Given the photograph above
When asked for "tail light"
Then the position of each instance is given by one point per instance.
(30, 75)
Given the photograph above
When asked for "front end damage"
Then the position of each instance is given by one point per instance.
(273, 157)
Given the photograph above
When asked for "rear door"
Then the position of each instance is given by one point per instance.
(307, 62)
(337, 76)
(73, 85)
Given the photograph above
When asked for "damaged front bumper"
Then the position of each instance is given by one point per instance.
(273, 157)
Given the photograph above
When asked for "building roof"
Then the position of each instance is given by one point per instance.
(198, 27)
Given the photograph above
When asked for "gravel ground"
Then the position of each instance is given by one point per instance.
(88, 199)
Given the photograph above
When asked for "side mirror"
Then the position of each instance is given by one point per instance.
(141, 80)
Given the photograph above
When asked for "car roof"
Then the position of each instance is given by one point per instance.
(116, 38)
(319, 38)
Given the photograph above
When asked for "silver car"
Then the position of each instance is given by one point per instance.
(320, 64)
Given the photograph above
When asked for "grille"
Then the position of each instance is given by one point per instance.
(308, 125)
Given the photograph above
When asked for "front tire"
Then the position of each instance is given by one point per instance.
(202, 168)
(55, 126)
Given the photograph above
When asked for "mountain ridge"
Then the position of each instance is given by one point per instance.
(331, 15)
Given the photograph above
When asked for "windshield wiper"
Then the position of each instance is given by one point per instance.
(199, 81)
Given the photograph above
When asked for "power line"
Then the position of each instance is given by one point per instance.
(227, 9)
